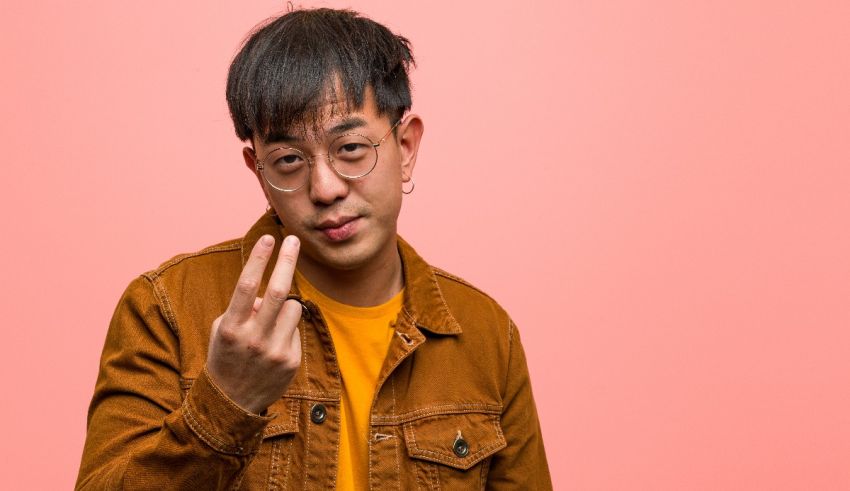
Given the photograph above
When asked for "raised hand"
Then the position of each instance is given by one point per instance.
(255, 347)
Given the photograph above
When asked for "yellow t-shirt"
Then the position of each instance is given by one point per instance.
(361, 337)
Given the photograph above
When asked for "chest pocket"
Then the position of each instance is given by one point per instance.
(452, 450)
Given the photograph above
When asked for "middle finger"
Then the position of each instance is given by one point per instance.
(279, 283)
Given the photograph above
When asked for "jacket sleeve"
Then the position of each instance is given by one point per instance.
(522, 464)
(141, 434)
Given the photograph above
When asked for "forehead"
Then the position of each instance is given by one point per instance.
(331, 116)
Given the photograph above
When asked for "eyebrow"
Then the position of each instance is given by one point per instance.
(346, 124)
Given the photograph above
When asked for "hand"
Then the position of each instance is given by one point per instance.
(255, 347)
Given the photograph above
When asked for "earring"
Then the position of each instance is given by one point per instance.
(271, 211)
(412, 186)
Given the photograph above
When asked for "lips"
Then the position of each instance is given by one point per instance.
(339, 229)
(335, 222)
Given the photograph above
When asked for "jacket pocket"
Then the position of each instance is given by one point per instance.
(452, 451)
(286, 419)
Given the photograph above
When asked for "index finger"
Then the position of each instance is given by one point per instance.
(279, 283)
(242, 301)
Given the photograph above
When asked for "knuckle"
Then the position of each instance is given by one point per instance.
(247, 285)
(285, 361)
(293, 364)
(277, 359)
(227, 321)
(260, 254)
(227, 335)
(277, 293)
(292, 310)
(256, 347)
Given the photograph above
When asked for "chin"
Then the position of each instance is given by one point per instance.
(343, 257)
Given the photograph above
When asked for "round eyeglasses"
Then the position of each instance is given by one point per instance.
(350, 155)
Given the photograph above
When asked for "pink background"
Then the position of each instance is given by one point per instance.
(657, 192)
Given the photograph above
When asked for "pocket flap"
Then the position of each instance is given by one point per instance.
(456, 440)
(286, 420)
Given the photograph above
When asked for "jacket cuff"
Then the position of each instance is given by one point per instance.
(219, 421)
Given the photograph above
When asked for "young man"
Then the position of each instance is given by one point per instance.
(319, 350)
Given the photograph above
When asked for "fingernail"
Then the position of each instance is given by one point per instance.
(291, 241)
(267, 240)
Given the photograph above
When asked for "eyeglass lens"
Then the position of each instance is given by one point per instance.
(352, 156)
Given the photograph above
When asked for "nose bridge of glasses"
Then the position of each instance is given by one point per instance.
(313, 157)
(314, 173)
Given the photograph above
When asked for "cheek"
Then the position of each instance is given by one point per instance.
(289, 214)
(390, 206)
(388, 179)
(383, 195)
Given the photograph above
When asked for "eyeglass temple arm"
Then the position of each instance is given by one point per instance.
(388, 132)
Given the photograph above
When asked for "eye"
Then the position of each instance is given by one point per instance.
(351, 148)
(285, 160)
(288, 159)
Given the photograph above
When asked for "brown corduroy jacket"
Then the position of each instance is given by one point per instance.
(453, 408)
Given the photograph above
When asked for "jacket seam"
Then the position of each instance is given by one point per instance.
(395, 441)
(482, 480)
(511, 328)
(206, 435)
(286, 472)
(397, 464)
(228, 246)
(307, 459)
(473, 459)
(439, 410)
(165, 303)
(275, 455)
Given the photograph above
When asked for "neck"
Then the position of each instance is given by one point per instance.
(372, 284)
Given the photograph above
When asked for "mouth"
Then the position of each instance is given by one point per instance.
(339, 229)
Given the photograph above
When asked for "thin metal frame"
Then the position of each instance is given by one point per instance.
(311, 159)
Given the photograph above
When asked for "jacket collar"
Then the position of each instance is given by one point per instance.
(423, 299)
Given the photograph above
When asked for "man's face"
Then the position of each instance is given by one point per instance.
(345, 224)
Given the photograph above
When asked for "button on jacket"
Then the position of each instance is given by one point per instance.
(453, 408)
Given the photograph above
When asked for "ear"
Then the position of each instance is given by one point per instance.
(250, 159)
(251, 163)
(408, 138)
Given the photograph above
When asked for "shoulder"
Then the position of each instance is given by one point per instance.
(218, 261)
(209, 258)
(189, 290)
(188, 285)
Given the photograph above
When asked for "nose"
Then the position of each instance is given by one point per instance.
(326, 186)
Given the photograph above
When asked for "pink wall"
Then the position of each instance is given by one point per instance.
(657, 192)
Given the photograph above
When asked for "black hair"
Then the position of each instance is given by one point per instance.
(291, 65)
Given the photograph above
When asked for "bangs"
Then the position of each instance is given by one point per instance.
(292, 70)
(300, 115)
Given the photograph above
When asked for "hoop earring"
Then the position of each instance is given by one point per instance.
(412, 186)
